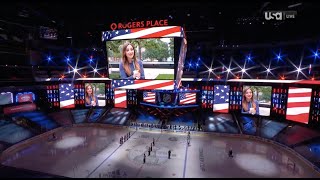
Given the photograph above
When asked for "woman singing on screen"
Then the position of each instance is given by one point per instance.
(90, 98)
(249, 105)
(130, 67)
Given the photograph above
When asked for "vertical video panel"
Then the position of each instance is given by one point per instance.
(221, 98)
(53, 95)
(6, 98)
(256, 100)
(120, 98)
(181, 61)
(95, 95)
(66, 96)
(151, 58)
(298, 105)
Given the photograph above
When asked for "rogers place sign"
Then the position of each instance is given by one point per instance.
(139, 24)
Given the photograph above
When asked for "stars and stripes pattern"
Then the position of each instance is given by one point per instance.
(298, 105)
(221, 98)
(187, 98)
(143, 84)
(315, 82)
(120, 98)
(149, 97)
(66, 96)
(154, 32)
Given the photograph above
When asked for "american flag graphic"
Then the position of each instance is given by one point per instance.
(66, 96)
(120, 98)
(143, 84)
(154, 32)
(149, 97)
(221, 98)
(298, 105)
(187, 98)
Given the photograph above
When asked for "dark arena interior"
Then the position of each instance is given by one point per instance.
(170, 89)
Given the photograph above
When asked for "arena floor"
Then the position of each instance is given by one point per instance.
(96, 152)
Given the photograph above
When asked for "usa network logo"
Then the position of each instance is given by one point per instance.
(279, 15)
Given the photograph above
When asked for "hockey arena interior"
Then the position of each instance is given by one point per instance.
(159, 89)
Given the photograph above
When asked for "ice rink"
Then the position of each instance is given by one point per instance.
(95, 152)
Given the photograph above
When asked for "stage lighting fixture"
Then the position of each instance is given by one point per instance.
(279, 57)
(299, 69)
(75, 70)
(95, 70)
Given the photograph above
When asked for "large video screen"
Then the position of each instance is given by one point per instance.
(221, 98)
(66, 96)
(141, 58)
(256, 100)
(298, 105)
(94, 94)
(6, 98)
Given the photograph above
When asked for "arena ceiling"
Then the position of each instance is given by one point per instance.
(215, 22)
